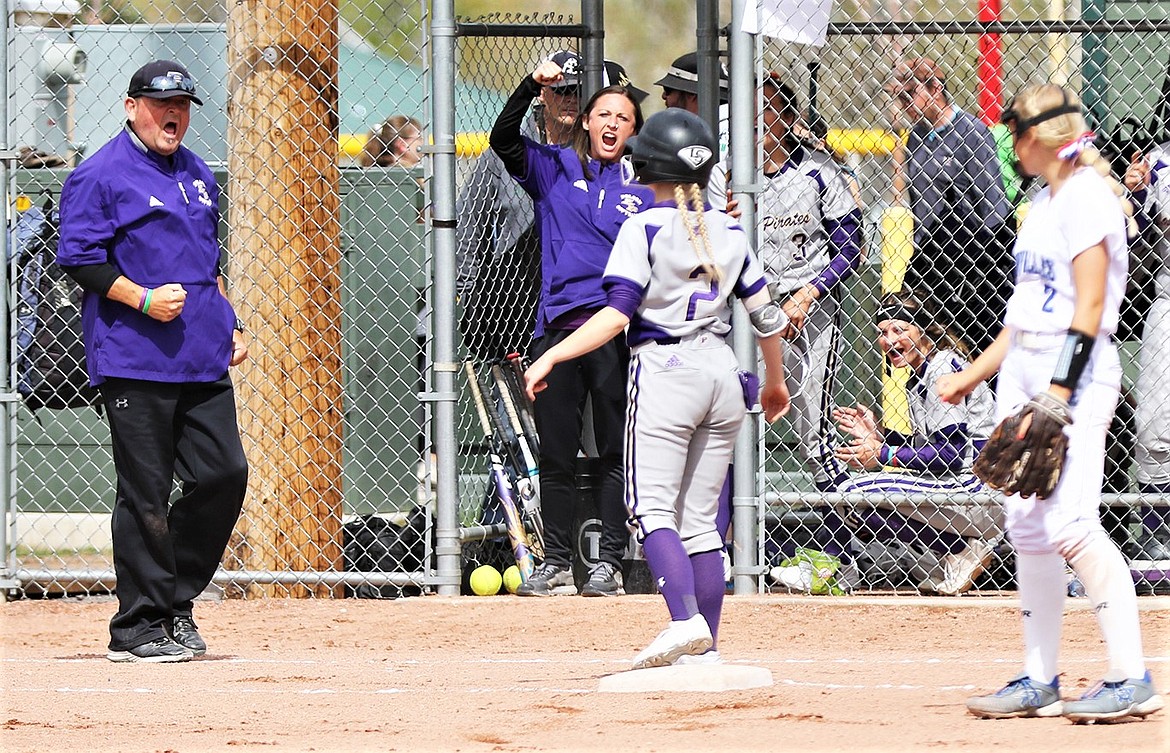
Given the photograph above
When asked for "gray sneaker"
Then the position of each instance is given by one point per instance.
(1023, 696)
(158, 651)
(960, 569)
(1110, 701)
(604, 580)
(546, 577)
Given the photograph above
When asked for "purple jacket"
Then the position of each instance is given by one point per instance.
(154, 218)
(579, 220)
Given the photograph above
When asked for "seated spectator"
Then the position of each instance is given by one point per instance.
(395, 143)
(935, 459)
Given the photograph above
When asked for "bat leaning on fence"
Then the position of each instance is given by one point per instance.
(523, 452)
(517, 536)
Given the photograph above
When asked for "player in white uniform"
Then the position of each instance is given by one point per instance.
(935, 458)
(1056, 351)
(1148, 179)
(810, 243)
(670, 279)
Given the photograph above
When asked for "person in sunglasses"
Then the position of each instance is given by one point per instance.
(957, 197)
(139, 222)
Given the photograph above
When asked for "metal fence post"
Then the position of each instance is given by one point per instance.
(447, 547)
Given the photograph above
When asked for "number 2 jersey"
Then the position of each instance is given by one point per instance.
(656, 277)
(1083, 213)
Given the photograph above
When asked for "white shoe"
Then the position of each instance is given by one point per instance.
(691, 636)
(707, 657)
(794, 577)
(960, 569)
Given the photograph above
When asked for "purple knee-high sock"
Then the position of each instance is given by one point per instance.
(672, 571)
(1157, 515)
(709, 589)
(833, 535)
(890, 524)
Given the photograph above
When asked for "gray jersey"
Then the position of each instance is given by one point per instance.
(929, 413)
(794, 205)
(1153, 383)
(653, 252)
(1157, 207)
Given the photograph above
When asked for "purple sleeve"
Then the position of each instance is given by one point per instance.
(942, 454)
(623, 295)
(1140, 216)
(845, 237)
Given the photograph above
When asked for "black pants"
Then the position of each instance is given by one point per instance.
(165, 554)
(601, 375)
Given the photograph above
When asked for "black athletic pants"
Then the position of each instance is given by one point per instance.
(600, 375)
(165, 554)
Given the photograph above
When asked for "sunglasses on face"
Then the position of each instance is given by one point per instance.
(906, 96)
(167, 84)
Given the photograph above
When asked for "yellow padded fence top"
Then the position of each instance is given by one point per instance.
(863, 141)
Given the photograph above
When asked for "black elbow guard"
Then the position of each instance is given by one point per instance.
(1074, 356)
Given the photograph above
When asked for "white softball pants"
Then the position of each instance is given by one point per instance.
(1070, 516)
(684, 412)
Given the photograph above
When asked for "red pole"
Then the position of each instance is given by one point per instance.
(990, 66)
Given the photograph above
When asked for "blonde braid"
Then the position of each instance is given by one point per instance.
(1092, 158)
(697, 227)
(1062, 129)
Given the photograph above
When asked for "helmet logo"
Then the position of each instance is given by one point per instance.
(694, 156)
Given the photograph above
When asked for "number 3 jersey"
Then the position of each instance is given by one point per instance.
(656, 277)
(796, 208)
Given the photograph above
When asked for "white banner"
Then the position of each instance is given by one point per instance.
(801, 21)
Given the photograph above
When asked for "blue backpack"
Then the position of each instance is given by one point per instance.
(50, 353)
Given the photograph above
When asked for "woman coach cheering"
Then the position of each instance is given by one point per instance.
(582, 193)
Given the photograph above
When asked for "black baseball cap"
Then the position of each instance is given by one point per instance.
(162, 79)
(570, 65)
(613, 74)
(683, 76)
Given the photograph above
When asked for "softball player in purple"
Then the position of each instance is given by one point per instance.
(1148, 179)
(670, 278)
(809, 226)
(1056, 350)
(935, 458)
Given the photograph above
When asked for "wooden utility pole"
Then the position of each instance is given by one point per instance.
(285, 266)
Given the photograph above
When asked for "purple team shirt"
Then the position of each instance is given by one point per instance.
(155, 219)
(579, 220)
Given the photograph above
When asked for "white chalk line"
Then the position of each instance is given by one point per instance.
(169, 689)
(391, 664)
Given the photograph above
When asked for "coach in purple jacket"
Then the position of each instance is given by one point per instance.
(582, 193)
(138, 233)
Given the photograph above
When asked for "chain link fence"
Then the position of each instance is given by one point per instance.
(326, 162)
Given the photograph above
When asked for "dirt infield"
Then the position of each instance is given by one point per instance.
(510, 674)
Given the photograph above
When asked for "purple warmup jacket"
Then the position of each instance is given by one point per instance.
(579, 220)
(155, 219)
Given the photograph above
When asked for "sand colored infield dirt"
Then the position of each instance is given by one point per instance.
(510, 674)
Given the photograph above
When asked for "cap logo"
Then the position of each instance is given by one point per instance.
(570, 66)
(694, 156)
